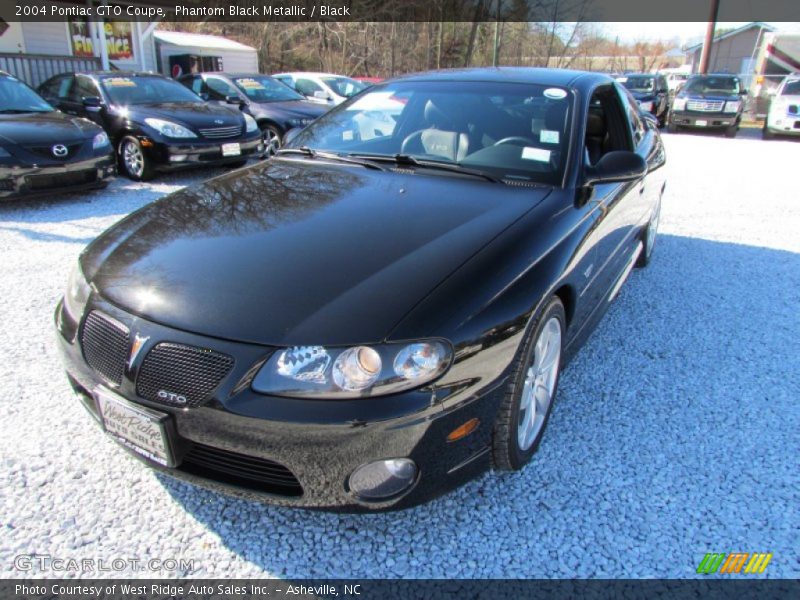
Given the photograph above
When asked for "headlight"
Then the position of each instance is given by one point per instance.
(100, 141)
(250, 124)
(679, 104)
(646, 106)
(169, 129)
(77, 293)
(732, 106)
(352, 372)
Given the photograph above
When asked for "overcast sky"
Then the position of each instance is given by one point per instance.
(630, 32)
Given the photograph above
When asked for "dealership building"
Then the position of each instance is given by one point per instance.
(36, 50)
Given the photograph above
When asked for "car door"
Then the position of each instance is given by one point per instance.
(619, 204)
(83, 87)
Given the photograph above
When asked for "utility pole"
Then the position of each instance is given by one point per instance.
(496, 34)
(705, 55)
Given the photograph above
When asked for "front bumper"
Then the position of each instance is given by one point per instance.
(784, 125)
(219, 443)
(170, 155)
(42, 179)
(704, 120)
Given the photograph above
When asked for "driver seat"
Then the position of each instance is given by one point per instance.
(439, 139)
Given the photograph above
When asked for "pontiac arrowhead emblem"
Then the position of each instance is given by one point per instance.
(138, 343)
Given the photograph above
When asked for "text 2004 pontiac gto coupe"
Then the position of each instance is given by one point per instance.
(381, 311)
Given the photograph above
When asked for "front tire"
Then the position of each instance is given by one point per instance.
(672, 128)
(766, 134)
(730, 132)
(272, 138)
(133, 161)
(528, 400)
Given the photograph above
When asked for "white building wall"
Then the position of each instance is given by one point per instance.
(46, 37)
(12, 40)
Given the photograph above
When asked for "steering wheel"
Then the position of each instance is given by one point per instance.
(514, 139)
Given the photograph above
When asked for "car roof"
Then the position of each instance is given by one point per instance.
(542, 76)
(117, 74)
(225, 74)
(311, 74)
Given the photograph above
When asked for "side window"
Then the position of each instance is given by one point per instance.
(307, 87)
(83, 88)
(632, 113)
(219, 89)
(607, 123)
(196, 85)
(57, 87)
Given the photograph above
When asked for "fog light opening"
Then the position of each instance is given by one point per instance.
(462, 431)
(383, 479)
(178, 157)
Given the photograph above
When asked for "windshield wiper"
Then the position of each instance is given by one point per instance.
(407, 159)
(20, 111)
(311, 153)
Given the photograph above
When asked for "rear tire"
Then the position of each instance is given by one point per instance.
(133, 161)
(649, 240)
(530, 395)
(766, 134)
(730, 132)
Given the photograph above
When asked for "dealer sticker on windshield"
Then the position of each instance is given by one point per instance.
(537, 154)
(119, 82)
(547, 136)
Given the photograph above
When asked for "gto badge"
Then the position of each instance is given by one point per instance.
(138, 343)
(171, 397)
(59, 150)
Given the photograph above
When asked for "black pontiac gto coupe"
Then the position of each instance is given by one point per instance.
(363, 324)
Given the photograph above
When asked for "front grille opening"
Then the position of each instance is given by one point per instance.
(105, 342)
(241, 470)
(181, 375)
(47, 182)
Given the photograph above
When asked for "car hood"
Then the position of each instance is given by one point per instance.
(697, 96)
(643, 95)
(195, 115)
(299, 252)
(300, 109)
(45, 128)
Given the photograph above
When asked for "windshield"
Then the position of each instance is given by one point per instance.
(638, 83)
(508, 130)
(146, 90)
(16, 97)
(713, 85)
(265, 89)
(344, 86)
(792, 88)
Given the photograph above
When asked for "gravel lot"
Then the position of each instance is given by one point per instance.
(676, 432)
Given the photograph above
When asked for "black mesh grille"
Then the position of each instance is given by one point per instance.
(242, 470)
(181, 375)
(105, 345)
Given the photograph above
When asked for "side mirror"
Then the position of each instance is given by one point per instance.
(743, 92)
(233, 100)
(616, 167)
(322, 95)
(204, 96)
(92, 104)
(290, 135)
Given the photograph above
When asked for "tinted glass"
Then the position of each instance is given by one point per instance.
(146, 90)
(16, 97)
(713, 84)
(83, 88)
(639, 83)
(219, 89)
(510, 130)
(265, 89)
(792, 88)
(307, 87)
(344, 86)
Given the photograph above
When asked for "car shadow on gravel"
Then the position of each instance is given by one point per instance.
(673, 436)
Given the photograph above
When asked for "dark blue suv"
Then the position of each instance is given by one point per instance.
(709, 102)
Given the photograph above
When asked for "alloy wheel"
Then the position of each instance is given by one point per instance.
(539, 385)
(272, 141)
(133, 158)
